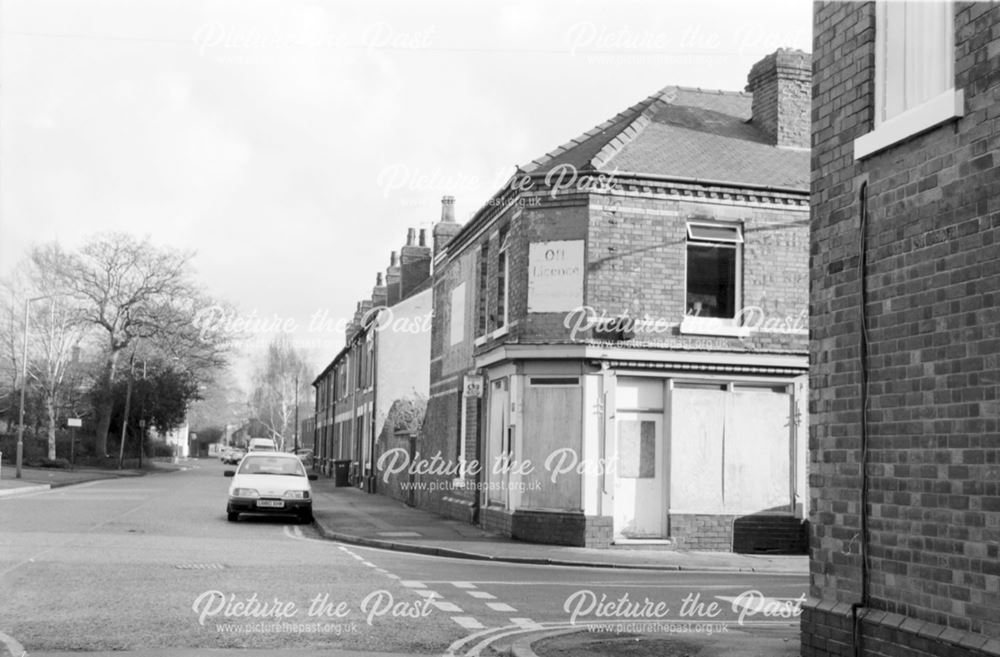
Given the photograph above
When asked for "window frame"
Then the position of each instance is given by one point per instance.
(502, 314)
(928, 114)
(737, 245)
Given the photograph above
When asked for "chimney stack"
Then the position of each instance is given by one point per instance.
(414, 264)
(781, 85)
(379, 292)
(446, 229)
(392, 281)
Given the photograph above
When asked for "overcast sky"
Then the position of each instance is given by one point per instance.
(293, 142)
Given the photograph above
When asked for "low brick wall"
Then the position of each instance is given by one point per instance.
(496, 520)
(828, 631)
(702, 531)
(549, 527)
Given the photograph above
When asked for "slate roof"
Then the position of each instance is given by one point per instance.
(685, 133)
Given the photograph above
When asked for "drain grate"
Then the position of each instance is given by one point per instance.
(200, 566)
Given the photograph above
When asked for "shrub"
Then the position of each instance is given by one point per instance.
(60, 463)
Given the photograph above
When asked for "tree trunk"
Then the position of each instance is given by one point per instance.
(50, 406)
(105, 406)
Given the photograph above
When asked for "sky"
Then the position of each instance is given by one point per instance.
(291, 143)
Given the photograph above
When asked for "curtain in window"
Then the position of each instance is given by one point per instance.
(914, 54)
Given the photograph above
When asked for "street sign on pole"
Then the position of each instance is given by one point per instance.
(74, 422)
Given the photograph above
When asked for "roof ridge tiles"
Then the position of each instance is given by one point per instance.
(593, 132)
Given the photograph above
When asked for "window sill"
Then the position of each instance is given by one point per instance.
(940, 109)
(481, 340)
(500, 332)
(712, 326)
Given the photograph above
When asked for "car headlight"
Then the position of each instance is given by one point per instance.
(297, 494)
(245, 492)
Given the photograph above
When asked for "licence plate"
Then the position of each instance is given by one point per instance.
(274, 504)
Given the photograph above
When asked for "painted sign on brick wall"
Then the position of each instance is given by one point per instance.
(555, 276)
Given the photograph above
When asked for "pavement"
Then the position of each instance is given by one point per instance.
(350, 515)
(753, 642)
(34, 480)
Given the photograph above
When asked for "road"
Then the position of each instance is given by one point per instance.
(150, 562)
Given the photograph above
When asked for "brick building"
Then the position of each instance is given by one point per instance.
(619, 345)
(905, 463)
(383, 367)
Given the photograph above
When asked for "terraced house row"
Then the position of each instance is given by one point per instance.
(616, 343)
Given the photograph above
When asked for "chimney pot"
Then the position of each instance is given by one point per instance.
(411, 237)
(423, 237)
(378, 279)
(448, 209)
(393, 259)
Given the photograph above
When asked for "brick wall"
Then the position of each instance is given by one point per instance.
(933, 312)
(637, 254)
(781, 88)
(702, 532)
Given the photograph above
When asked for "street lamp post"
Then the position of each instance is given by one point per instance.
(295, 432)
(24, 384)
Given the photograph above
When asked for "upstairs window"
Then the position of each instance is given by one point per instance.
(914, 54)
(503, 277)
(914, 85)
(482, 299)
(714, 262)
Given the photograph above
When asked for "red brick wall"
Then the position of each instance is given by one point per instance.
(637, 258)
(933, 308)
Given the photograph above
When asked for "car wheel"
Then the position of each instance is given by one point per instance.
(306, 518)
(232, 516)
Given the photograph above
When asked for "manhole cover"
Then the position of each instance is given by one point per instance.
(200, 566)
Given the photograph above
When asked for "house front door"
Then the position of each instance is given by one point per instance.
(640, 475)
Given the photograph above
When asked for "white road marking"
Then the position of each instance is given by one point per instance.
(525, 622)
(412, 584)
(449, 607)
(500, 606)
(468, 622)
(482, 595)
(463, 585)
(427, 593)
(368, 563)
(391, 576)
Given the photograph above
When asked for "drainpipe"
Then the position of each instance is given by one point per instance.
(863, 356)
(374, 374)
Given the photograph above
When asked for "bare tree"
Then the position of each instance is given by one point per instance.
(128, 291)
(276, 386)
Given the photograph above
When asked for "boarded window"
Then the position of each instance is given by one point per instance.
(637, 448)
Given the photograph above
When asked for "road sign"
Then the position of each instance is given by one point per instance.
(473, 386)
(74, 422)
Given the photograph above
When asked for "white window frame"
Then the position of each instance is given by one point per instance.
(715, 325)
(932, 112)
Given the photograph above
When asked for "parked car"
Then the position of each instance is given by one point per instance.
(262, 445)
(271, 483)
(224, 453)
(305, 455)
(234, 455)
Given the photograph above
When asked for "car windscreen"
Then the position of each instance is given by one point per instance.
(258, 464)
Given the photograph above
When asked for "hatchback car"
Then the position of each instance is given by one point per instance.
(233, 455)
(273, 483)
(262, 445)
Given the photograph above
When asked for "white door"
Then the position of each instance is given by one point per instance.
(639, 494)
(497, 442)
